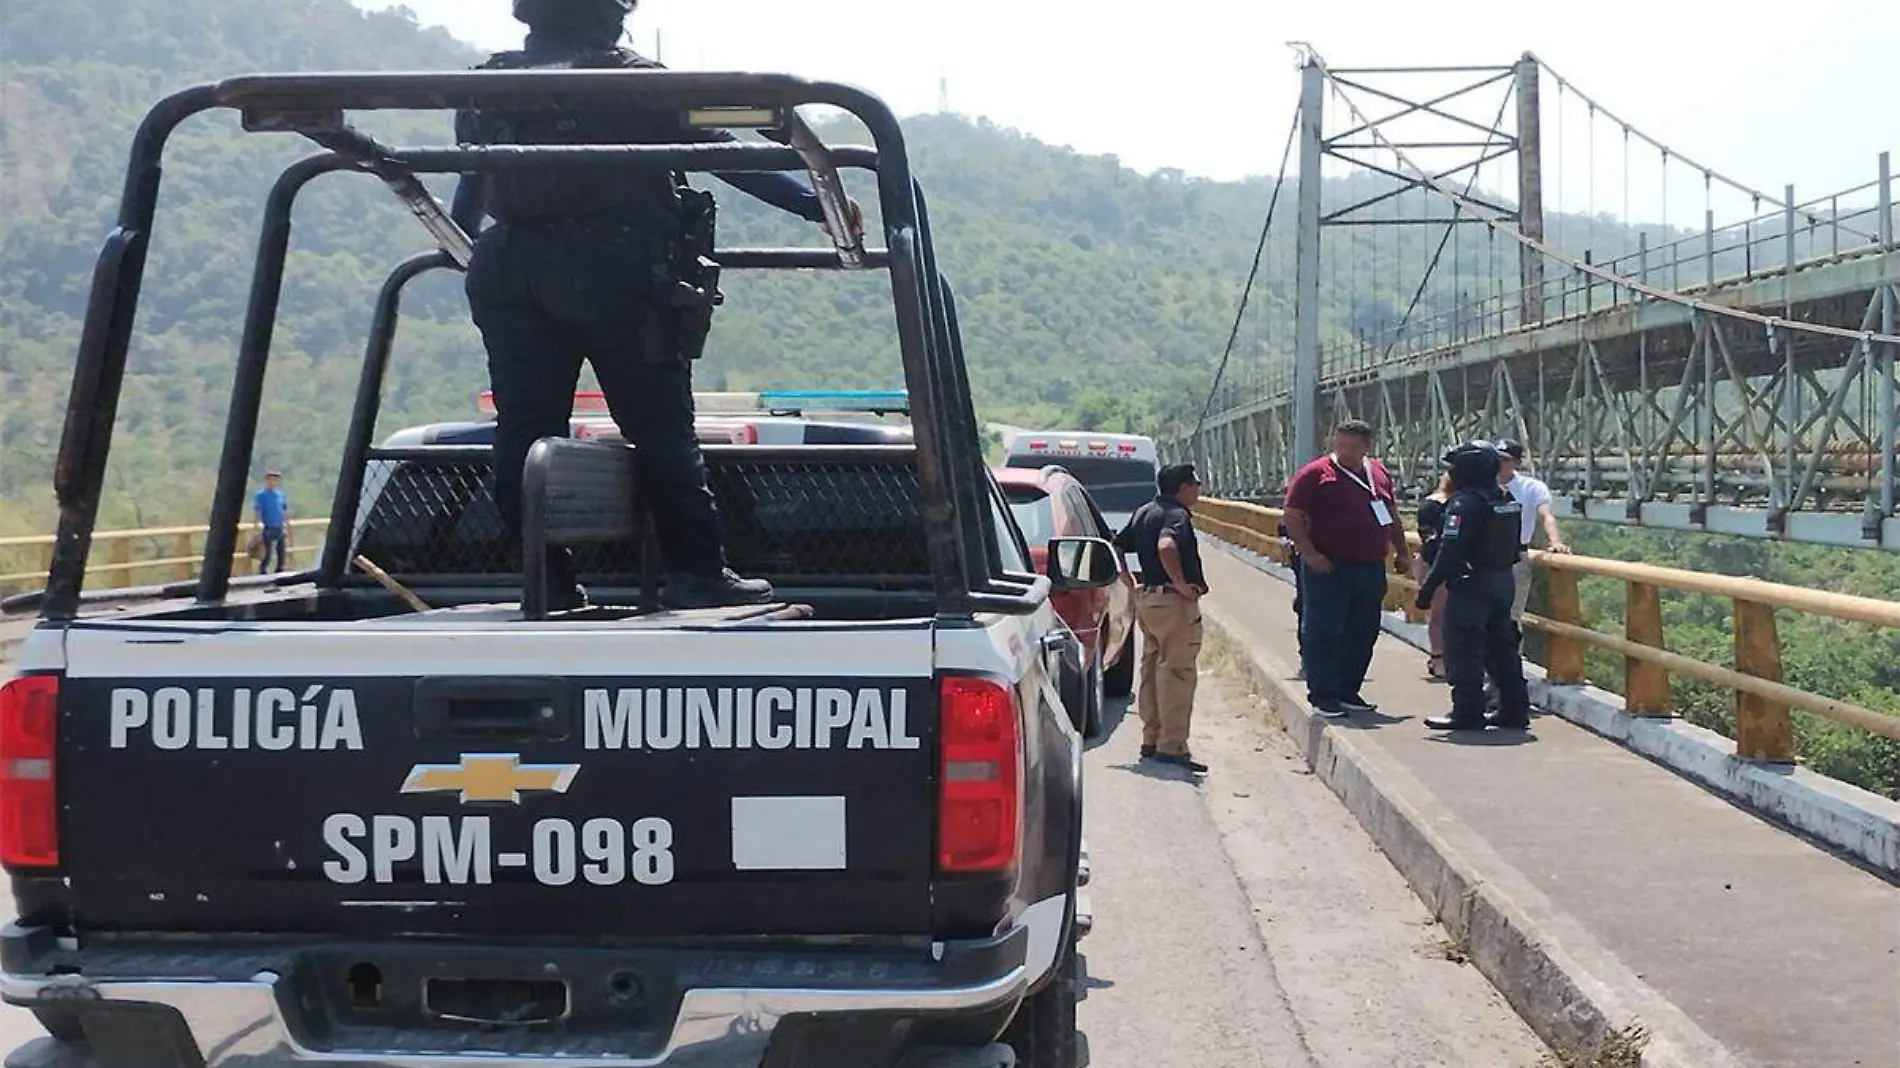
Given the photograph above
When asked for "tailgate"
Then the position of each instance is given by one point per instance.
(367, 781)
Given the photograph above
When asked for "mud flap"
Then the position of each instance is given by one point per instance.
(994, 1055)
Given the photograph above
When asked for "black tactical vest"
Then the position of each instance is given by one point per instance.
(518, 196)
(1497, 546)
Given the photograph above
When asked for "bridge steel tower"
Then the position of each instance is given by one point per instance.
(1260, 444)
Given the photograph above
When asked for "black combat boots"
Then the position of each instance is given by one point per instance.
(722, 589)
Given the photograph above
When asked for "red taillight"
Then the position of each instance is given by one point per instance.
(745, 434)
(1125, 448)
(586, 402)
(978, 792)
(29, 813)
(1038, 446)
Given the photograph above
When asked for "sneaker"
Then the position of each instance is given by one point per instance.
(1331, 709)
(1181, 760)
(1509, 723)
(1455, 723)
(1147, 752)
(1359, 705)
(722, 589)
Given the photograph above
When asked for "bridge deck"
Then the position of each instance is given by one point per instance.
(1775, 948)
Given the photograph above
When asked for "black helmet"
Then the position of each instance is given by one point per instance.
(1511, 447)
(1474, 464)
(576, 14)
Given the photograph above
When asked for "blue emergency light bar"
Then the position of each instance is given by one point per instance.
(835, 400)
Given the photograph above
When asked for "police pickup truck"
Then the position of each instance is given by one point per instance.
(394, 812)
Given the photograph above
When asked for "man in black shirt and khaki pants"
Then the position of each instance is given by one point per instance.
(1167, 607)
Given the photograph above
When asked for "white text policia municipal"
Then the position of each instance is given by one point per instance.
(326, 718)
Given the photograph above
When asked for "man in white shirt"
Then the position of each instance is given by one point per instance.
(1533, 496)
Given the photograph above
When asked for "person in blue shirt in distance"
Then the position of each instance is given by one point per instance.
(273, 514)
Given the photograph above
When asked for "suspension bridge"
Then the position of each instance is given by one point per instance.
(1468, 262)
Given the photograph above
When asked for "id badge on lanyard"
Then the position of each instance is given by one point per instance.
(1379, 511)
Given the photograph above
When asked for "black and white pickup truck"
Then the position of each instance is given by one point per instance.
(392, 812)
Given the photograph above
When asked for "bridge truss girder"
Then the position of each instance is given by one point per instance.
(1654, 413)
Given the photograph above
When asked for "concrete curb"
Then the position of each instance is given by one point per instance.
(1573, 992)
(1860, 824)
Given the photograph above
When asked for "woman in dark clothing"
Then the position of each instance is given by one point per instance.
(1431, 526)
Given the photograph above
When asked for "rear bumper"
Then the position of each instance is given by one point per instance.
(255, 1007)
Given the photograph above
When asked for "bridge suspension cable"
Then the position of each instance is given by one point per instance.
(1709, 174)
(1253, 273)
(1498, 223)
(1451, 229)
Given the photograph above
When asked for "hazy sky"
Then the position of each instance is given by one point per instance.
(1770, 92)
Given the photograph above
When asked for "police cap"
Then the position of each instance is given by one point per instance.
(573, 13)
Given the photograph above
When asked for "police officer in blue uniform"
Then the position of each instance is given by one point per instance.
(603, 265)
(1477, 548)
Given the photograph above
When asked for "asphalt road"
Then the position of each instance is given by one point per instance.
(1245, 920)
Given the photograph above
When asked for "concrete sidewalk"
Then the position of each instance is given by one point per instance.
(1629, 891)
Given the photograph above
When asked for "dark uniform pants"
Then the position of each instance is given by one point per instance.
(1339, 625)
(273, 541)
(547, 299)
(1481, 637)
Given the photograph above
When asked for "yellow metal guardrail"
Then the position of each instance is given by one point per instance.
(1763, 730)
(134, 557)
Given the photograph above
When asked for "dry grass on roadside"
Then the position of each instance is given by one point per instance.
(1620, 1048)
(1221, 656)
(1455, 950)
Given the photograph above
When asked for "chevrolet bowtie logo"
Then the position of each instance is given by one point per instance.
(489, 777)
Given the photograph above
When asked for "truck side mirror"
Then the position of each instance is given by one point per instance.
(1082, 563)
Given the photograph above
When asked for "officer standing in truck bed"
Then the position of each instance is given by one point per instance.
(603, 265)
(1476, 552)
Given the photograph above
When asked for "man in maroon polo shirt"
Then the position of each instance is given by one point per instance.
(1343, 518)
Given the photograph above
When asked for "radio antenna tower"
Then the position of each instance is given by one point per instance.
(943, 93)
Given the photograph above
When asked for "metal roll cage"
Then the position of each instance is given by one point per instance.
(968, 573)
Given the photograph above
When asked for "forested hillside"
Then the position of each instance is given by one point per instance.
(1088, 293)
